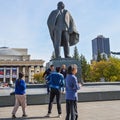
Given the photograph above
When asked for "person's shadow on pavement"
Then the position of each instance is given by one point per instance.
(27, 118)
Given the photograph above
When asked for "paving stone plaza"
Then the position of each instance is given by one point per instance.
(95, 110)
(103, 110)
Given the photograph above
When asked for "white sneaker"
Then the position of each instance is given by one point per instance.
(48, 115)
(59, 115)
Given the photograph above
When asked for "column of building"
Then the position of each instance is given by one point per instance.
(24, 72)
(10, 81)
(17, 72)
(4, 79)
(37, 69)
(29, 77)
(42, 69)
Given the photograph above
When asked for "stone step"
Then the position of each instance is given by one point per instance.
(83, 96)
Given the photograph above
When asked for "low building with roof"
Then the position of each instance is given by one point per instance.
(15, 60)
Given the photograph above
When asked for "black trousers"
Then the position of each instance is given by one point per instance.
(55, 92)
(71, 110)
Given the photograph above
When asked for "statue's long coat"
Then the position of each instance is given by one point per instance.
(74, 35)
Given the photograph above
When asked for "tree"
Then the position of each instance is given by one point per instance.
(109, 70)
(39, 77)
(53, 55)
(85, 68)
(113, 70)
(99, 57)
(76, 53)
(104, 57)
(97, 70)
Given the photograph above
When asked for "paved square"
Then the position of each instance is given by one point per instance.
(102, 110)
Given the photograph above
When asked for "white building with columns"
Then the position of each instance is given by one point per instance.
(15, 60)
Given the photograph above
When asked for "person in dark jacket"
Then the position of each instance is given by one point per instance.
(64, 73)
(64, 70)
(20, 96)
(56, 81)
(46, 74)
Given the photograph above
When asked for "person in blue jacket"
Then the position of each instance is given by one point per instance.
(71, 93)
(56, 82)
(20, 96)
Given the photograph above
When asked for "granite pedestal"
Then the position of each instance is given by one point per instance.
(67, 61)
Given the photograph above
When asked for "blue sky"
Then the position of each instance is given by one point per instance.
(23, 24)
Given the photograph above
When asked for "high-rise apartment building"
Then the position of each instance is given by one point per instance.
(100, 45)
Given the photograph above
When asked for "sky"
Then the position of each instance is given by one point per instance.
(23, 24)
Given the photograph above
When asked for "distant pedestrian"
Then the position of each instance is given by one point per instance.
(71, 93)
(20, 96)
(46, 74)
(64, 70)
(64, 73)
(56, 81)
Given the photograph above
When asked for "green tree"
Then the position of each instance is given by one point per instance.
(53, 55)
(85, 68)
(99, 56)
(76, 53)
(104, 57)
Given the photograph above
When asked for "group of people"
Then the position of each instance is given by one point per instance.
(51, 69)
(56, 79)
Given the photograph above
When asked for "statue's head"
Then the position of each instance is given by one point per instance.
(60, 5)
